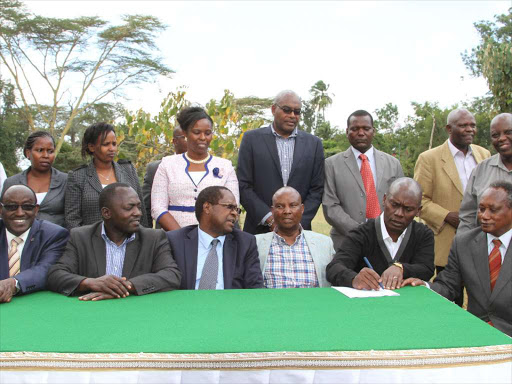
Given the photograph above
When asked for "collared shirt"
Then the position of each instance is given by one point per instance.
(388, 241)
(370, 154)
(285, 148)
(465, 164)
(290, 266)
(505, 242)
(115, 253)
(10, 236)
(204, 244)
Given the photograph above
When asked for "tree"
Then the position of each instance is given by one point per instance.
(100, 58)
(320, 100)
(492, 59)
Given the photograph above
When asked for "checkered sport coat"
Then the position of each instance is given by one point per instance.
(83, 191)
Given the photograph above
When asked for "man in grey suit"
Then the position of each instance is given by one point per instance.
(482, 259)
(291, 257)
(115, 257)
(179, 141)
(347, 202)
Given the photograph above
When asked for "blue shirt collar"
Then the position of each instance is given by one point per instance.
(205, 239)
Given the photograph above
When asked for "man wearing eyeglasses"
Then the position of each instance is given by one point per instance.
(214, 254)
(291, 257)
(28, 246)
(276, 156)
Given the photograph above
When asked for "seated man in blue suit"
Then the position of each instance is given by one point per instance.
(28, 247)
(215, 255)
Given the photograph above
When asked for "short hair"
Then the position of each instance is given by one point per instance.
(359, 112)
(189, 116)
(506, 186)
(176, 130)
(108, 194)
(33, 137)
(502, 116)
(454, 114)
(411, 184)
(210, 195)
(91, 135)
(286, 188)
(284, 93)
(20, 185)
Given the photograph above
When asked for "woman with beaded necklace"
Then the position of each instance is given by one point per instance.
(180, 178)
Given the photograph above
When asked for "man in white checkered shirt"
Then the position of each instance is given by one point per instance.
(291, 257)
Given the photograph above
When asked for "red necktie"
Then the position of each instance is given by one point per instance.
(495, 262)
(372, 201)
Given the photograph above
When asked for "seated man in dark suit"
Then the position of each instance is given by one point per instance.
(115, 257)
(396, 246)
(215, 255)
(28, 247)
(481, 258)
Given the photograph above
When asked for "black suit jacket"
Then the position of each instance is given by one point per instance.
(45, 244)
(416, 253)
(240, 258)
(148, 262)
(259, 175)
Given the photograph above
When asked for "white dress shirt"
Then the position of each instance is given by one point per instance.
(388, 241)
(505, 242)
(370, 154)
(464, 164)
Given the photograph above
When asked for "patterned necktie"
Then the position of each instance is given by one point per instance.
(210, 268)
(495, 262)
(14, 257)
(372, 201)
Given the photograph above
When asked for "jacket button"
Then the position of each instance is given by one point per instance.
(195, 190)
(360, 212)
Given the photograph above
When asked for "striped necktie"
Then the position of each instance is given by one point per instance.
(14, 257)
(372, 201)
(210, 268)
(495, 262)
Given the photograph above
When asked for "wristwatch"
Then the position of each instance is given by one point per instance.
(17, 286)
(399, 265)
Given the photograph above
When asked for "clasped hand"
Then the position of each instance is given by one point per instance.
(7, 290)
(369, 279)
(105, 287)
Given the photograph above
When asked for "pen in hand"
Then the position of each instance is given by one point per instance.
(367, 262)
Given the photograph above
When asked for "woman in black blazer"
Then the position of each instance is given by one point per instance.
(87, 181)
(48, 183)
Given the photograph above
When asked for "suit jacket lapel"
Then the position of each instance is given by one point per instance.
(100, 251)
(450, 168)
(505, 275)
(191, 244)
(93, 179)
(480, 256)
(476, 154)
(27, 248)
(270, 141)
(130, 256)
(380, 240)
(351, 162)
(379, 167)
(229, 259)
(404, 242)
(120, 175)
(298, 150)
(55, 185)
(4, 253)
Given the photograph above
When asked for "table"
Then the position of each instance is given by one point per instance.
(182, 336)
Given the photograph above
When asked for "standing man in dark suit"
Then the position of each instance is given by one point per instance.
(115, 257)
(276, 156)
(481, 258)
(28, 247)
(215, 255)
(357, 179)
(179, 141)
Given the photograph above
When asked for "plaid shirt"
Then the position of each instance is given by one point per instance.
(290, 266)
(285, 148)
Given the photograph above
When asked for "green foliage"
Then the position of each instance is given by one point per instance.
(492, 59)
(56, 54)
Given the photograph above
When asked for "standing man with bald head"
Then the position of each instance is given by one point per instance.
(443, 173)
(276, 156)
(496, 168)
(28, 246)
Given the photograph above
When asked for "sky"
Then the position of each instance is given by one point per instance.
(369, 52)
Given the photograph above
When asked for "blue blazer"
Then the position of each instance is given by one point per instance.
(240, 258)
(45, 244)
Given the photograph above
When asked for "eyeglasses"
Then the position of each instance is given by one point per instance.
(289, 110)
(14, 207)
(232, 207)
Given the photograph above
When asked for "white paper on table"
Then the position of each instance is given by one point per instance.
(352, 293)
